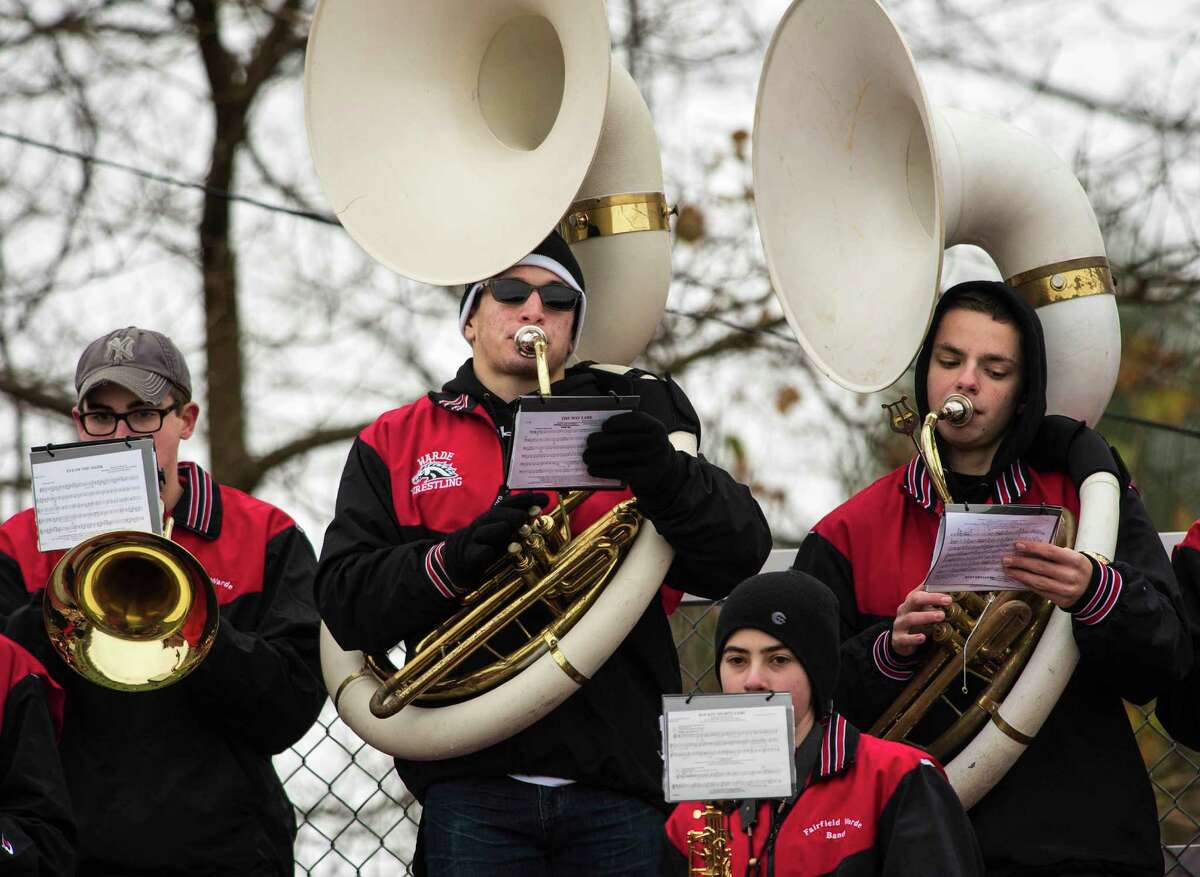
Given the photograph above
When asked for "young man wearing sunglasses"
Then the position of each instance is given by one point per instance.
(179, 780)
(423, 511)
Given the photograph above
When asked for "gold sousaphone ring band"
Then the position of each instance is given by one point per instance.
(993, 709)
(1064, 280)
(559, 658)
(614, 214)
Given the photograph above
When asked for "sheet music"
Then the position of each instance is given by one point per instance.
(549, 437)
(728, 746)
(971, 545)
(83, 489)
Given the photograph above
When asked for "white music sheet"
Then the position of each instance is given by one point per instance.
(81, 490)
(972, 542)
(728, 747)
(549, 437)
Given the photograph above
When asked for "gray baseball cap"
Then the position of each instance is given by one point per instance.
(144, 362)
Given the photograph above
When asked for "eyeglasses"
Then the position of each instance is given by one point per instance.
(514, 291)
(140, 420)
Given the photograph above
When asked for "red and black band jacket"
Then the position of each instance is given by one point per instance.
(37, 826)
(424, 470)
(869, 807)
(180, 780)
(1078, 800)
(1178, 708)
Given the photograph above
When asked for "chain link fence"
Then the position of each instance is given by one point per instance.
(356, 817)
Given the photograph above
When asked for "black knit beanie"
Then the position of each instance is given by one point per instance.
(800, 612)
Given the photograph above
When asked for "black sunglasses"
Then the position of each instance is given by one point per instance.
(514, 291)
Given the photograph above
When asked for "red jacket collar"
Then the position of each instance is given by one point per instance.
(1012, 483)
(199, 509)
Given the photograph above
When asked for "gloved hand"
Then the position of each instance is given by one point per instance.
(468, 552)
(633, 446)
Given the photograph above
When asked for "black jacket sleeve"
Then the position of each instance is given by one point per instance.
(924, 830)
(262, 679)
(870, 674)
(1178, 706)
(715, 525)
(1129, 625)
(717, 529)
(372, 589)
(37, 828)
(12, 586)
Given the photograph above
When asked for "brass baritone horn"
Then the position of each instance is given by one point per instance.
(130, 611)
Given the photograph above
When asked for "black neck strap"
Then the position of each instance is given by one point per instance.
(807, 754)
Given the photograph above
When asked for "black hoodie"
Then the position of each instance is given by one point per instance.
(1032, 407)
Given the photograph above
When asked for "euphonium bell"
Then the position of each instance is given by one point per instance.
(130, 611)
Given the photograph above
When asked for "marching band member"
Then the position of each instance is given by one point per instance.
(865, 806)
(179, 780)
(1178, 708)
(422, 511)
(37, 829)
(1078, 800)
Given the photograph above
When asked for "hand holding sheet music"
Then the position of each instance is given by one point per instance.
(973, 541)
(549, 435)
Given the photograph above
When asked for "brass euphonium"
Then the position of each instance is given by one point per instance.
(545, 569)
(989, 637)
(131, 611)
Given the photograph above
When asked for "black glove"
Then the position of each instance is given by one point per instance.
(1066, 445)
(634, 447)
(468, 552)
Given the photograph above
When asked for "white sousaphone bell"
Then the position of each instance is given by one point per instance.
(860, 186)
(450, 138)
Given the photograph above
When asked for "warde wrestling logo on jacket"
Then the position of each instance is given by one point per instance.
(435, 471)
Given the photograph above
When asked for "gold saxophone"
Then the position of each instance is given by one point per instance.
(710, 852)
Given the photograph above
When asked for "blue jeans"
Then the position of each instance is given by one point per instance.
(499, 827)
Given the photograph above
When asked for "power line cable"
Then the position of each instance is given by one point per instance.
(1153, 424)
(327, 219)
(168, 180)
